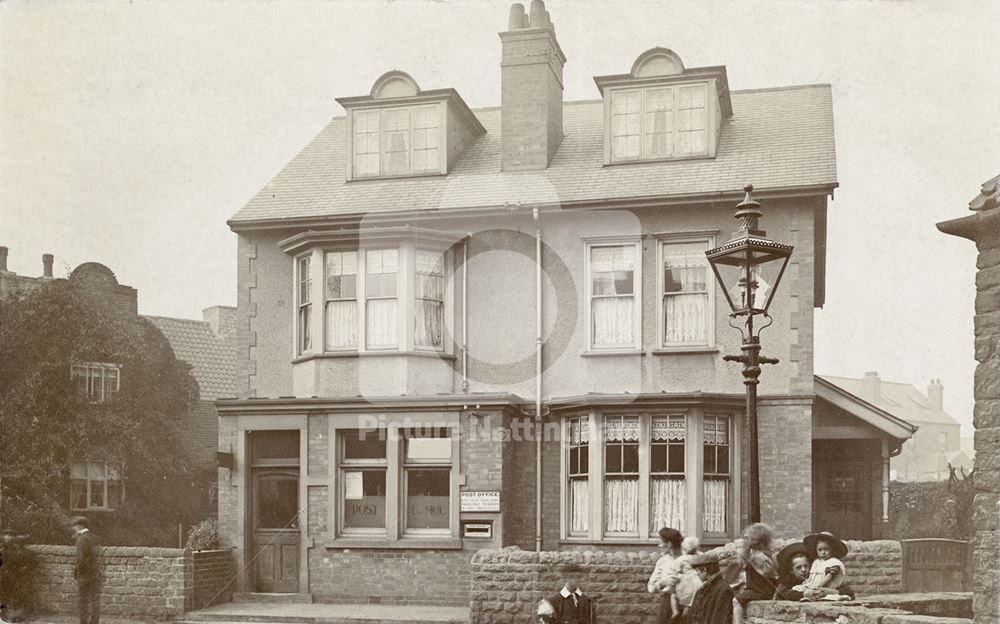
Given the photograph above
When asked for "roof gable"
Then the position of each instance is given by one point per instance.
(899, 399)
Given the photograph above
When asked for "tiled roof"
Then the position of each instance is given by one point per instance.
(901, 400)
(212, 359)
(776, 139)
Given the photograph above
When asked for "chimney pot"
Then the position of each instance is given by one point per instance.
(3, 259)
(935, 394)
(537, 14)
(47, 265)
(518, 19)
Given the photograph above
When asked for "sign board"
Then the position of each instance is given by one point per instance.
(481, 501)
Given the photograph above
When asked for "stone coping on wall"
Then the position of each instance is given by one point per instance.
(109, 551)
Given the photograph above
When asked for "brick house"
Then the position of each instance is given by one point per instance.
(208, 346)
(463, 329)
(937, 441)
(98, 486)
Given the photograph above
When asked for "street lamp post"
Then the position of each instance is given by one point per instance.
(748, 268)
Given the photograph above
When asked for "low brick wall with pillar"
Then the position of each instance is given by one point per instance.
(983, 227)
(507, 584)
(141, 583)
(214, 578)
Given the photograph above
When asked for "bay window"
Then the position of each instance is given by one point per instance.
(613, 282)
(642, 474)
(686, 305)
(392, 295)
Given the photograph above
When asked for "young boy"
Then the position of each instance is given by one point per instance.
(713, 604)
(569, 606)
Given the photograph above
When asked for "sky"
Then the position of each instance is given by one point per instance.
(131, 131)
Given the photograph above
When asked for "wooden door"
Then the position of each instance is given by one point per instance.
(276, 531)
(842, 488)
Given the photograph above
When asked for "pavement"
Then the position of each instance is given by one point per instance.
(298, 613)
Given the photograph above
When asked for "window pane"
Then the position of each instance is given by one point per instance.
(341, 324)
(428, 498)
(276, 502)
(666, 503)
(380, 324)
(364, 444)
(621, 505)
(364, 499)
(396, 137)
(613, 458)
(429, 324)
(716, 496)
(366, 140)
(630, 458)
(115, 494)
(625, 110)
(275, 444)
(428, 445)
(685, 318)
(579, 505)
(676, 463)
(78, 493)
(429, 303)
(659, 123)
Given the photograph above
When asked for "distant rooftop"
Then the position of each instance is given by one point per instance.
(210, 349)
(902, 400)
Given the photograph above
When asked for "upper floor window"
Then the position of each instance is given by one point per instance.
(659, 123)
(686, 305)
(613, 279)
(397, 141)
(98, 382)
(303, 296)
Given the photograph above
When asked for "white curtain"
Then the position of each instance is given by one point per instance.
(341, 324)
(429, 324)
(579, 505)
(381, 323)
(715, 504)
(684, 318)
(666, 504)
(621, 505)
(613, 321)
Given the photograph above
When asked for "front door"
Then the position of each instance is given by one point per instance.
(842, 488)
(276, 530)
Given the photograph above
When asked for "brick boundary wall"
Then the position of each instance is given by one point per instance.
(149, 583)
(214, 578)
(507, 584)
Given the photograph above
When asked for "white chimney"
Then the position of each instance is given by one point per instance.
(871, 387)
(935, 393)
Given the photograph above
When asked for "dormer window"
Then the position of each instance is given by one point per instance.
(662, 111)
(397, 141)
(659, 122)
(400, 131)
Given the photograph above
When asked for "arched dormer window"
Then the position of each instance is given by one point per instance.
(399, 130)
(661, 110)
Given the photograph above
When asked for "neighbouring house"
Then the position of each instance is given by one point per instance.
(118, 362)
(209, 347)
(464, 329)
(937, 441)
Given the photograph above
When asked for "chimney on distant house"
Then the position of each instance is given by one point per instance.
(222, 320)
(531, 85)
(47, 265)
(935, 393)
(3, 260)
(871, 387)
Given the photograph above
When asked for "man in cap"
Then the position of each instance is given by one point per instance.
(569, 606)
(713, 604)
(87, 571)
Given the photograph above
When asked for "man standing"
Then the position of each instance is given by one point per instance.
(87, 572)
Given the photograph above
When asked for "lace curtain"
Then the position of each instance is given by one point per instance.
(579, 506)
(613, 321)
(621, 505)
(381, 323)
(666, 504)
(716, 491)
(429, 323)
(685, 292)
(341, 324)
(684, 318)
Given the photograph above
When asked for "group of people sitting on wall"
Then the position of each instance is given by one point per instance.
(714, 587)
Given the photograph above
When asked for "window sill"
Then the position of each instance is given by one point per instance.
(366, 354)
(406, 543)
(396, 176)
(684, 350)
(611, 541)
(612, 352)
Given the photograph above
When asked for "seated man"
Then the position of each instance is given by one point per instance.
(569, 606)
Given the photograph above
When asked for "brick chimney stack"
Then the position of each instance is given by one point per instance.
(47, 265)
(531, 89)
(935, 393)
(871, 387)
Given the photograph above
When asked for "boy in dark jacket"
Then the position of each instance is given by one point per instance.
(713, 604)
(569, 606)
(87, 572)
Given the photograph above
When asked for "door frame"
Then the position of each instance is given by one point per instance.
(256, 473)
(242, 478)
(820, 469)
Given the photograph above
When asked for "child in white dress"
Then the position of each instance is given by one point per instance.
(827, 569)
